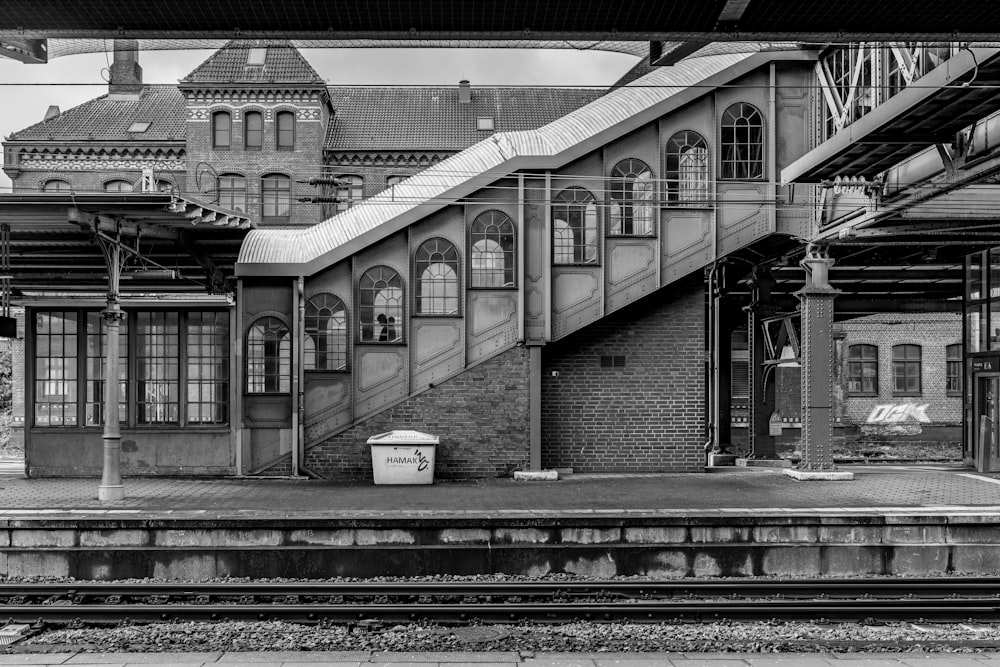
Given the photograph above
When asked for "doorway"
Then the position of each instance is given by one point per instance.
(986, 425)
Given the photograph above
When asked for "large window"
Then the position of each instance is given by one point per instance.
(633, 199)
(233, 192)
(222, 130)
(285, 121)
(166, 350)
(55, 185)
(158, 367)
(56, 369)
(253, 130)
(326, 334)
(574, 227)
(906, 369)
(276, 194)
(953, 372)
(862, 369)
(436, 270)
(269, 357)
(742, 143)
(97, 340)
(207, 343)
(118, 185)
(687, 169)
(380, 306)
(492, 253)
(349, 191)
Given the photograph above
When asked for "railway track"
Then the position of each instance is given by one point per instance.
(940, 600)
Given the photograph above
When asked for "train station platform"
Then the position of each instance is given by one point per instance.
(890, 520)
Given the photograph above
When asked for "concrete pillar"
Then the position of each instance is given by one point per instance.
(817, 356)
(762, 381)
(535, 407)
(111, 487)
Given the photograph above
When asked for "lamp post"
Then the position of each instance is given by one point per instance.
(111, 488)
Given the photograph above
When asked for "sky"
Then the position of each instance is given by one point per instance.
(25, 105)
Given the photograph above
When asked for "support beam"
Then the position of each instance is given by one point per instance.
(535, 407)
(762, 383)
(111, 488)
(25, 50)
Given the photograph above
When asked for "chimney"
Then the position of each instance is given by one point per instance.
(464, 92)
(126, 75)
(53, 112)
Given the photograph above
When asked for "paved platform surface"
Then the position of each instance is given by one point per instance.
(363, 659)
(875, 489)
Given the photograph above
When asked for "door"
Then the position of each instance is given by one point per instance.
(986, 425)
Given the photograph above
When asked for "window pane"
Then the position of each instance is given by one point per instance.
(269, 357)
(157, 343)
(380, 310)
(221, 130)
(254, 129)
(436, 263)
(97, 339)
(286, 129)
(349, 192)
(574, 227)
(687, 169)
(492, 253)
(633, 198)
(277, 196)
(207, 340)
(742, 142)
(55, 369)
(326, 333)
(233, 192)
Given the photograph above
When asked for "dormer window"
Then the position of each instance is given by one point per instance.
(256, 56)
(484, 123)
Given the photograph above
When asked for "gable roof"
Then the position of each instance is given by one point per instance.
(282, 64)
(108, 118)
(432, 118)
(305, 251)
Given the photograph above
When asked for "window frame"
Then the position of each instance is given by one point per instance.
(215, 130)
(581, 206)
(423, 264)
(48, 181)
(623, 179)
(278, 145)
(247, 146)
(276, 177)
(121, 185)
(330, 302)
(742, 151)
(953, 362)
(862, 361)
(907, 364)
(480, 231)
(349, 188)
(220, 190)
(682, 139)
(393, 280)
(283, 375)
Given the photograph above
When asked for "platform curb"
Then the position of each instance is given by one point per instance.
(818, 475)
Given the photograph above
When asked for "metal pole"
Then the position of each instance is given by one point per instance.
(111, 487)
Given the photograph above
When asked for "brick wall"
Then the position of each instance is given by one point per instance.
(481, 416)
(644, 417)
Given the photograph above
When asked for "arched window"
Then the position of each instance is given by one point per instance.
(349, 191)
(380, 306)
(118, 185)
(222, 130)
(492, 250)
(906, 369)
(862, 369)
(55, 185)
(436, 268)
(269, 357)
(742, 142)
(574, 227)
(633, 198)
(953, 370)
(163, 185)
(253, 130)
(276, 196)
(233, 192)
(285, 121)
(326, 334)
(687, 168)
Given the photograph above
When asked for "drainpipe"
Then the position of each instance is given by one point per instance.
(710, 278)
(299, 421)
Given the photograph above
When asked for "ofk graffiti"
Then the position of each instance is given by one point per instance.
(896, 413)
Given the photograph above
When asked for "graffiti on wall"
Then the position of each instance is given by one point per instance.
(897, 413)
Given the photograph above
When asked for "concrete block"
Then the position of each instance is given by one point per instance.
(656, 534)
(714, 534)
(818, 475)
(705, 565)
(522, 536)
(536, 475)
(185, 565)
(590, 535)
(126, 537)
(35, 564)
(841, 560)
(20, 537)
(665, 565)
(917, 559)
(763, 463)
(791, 561)
(261, 537)
(913, 534)
(183, 537)
(972, 534)
(850, 534)
(3, 564)
(464, 536)
(601, 567)
(784, 534)
(370, 536)
(340, 538)
(976, 559)
(4, 538)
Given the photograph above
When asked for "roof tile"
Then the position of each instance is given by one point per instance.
(282, 64)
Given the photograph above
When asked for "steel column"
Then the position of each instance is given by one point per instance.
(111, 487)
(762, 380)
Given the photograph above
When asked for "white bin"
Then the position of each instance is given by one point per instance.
(403, 457)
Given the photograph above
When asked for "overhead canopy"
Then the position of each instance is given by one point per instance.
(930, 111)
(181, 243)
